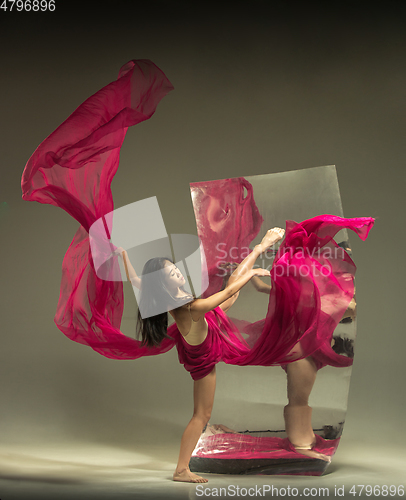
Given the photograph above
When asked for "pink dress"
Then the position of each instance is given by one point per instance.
(223, 343)
(73, 168)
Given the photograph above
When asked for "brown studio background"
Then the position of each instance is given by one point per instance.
(257, 90)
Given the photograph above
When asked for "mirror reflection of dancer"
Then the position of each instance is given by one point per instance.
(195, 324)
(301, 376)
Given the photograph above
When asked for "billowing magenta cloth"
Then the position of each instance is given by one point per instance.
(312, 286)
(73, 168)
(243, 446)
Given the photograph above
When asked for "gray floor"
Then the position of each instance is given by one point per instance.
(89, 470)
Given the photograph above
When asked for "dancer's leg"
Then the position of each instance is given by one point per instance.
(351, 311)
(301, 377)
(298, 413)
(203, 394)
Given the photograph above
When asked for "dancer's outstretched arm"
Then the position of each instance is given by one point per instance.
(202, 306)
(129, 270)
(271, 237)
(260, 286)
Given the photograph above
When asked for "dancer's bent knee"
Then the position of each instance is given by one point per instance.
(202, 418)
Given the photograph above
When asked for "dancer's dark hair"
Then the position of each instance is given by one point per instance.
(153, 328)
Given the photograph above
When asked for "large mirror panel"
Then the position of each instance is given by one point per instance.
(247, 431)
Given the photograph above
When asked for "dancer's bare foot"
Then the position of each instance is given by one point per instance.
(312, 454)
(224, 429)
(211, 430)
(186, 476)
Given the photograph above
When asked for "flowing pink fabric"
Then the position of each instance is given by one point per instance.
(73, 168)
(312, 286)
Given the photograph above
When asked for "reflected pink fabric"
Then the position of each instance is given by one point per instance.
(227, 221)
(243, 446)
(73, 168)
(312, 286)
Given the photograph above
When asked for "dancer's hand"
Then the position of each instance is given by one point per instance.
(120, 251)
(272, 236)
(129, 270)
(258, 271)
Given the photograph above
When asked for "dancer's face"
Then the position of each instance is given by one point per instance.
(174, 277)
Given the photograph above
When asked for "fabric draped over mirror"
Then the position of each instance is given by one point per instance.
(73, 169)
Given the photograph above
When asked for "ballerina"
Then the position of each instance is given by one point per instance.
(193, 322)
(73, 169)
